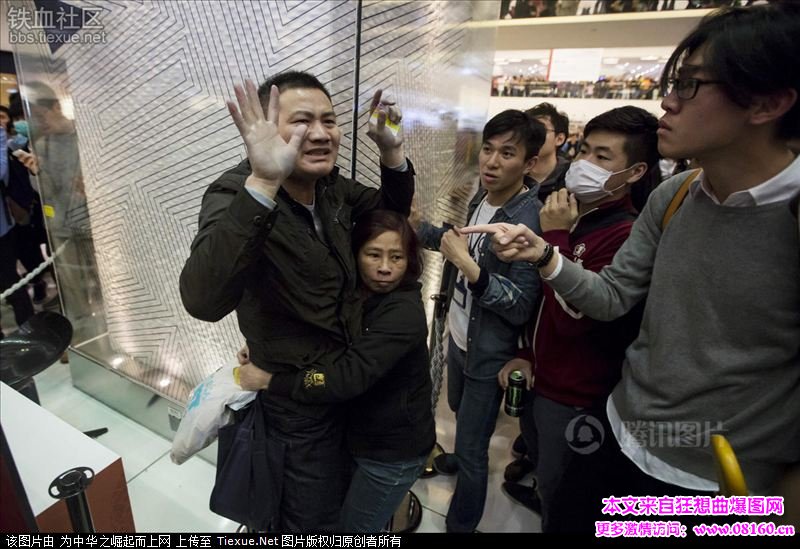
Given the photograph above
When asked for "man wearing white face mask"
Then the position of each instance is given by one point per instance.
(577, 361)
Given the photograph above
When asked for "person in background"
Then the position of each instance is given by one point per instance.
(550, 168)
(549, 172)
(26, 203)
(55, 160)
(20, 301)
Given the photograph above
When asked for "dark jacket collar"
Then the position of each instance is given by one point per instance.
(373, 299)
(605, 215)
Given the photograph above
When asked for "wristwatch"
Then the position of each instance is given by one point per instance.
(547, 255)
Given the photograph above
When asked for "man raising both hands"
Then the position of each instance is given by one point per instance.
(273, 244)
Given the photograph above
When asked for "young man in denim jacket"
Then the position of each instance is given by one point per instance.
(491, 302)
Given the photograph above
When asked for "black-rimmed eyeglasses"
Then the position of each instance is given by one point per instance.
(686, 88)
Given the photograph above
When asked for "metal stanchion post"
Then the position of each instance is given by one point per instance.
(71, 487)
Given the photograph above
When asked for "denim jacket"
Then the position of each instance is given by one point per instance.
(506, 295)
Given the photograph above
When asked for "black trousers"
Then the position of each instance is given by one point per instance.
(20, 301)
(604, 472)
(316, 466)
(29, 250)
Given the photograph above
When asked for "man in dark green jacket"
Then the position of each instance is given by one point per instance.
(274, 244)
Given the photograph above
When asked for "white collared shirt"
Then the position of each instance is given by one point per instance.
(776, 189)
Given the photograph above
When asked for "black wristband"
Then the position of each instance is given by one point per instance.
(549, 251)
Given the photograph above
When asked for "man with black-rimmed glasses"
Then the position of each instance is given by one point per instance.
(718, 347)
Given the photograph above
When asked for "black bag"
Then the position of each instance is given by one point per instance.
(249, 470)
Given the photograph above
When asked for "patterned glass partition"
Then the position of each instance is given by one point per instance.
(127, 113)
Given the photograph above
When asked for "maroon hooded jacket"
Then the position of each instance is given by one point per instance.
(578, 360)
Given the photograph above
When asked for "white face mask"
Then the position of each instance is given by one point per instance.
(587, 181)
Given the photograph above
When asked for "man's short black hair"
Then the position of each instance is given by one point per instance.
(751, 51)
(559, 120)
(15, 106)
(639, 128)
(525, 129)
(289, 80)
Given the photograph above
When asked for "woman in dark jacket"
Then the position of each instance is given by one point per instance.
(384, 375)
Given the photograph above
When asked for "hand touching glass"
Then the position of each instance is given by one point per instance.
(272, 159)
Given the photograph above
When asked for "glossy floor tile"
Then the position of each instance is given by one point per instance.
(166, 497)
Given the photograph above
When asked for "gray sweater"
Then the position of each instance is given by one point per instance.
(719, 346)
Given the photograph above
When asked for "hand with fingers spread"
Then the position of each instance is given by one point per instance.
(511, 242)
(272, 159)
(385, 130)
(560, 211)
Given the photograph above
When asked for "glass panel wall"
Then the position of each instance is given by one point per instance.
(127, 117)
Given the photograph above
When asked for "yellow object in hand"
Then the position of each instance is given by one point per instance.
(236, 378)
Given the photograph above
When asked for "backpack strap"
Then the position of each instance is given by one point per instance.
(678, 199)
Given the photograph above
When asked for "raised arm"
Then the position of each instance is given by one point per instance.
(397, 172)
(234, 220)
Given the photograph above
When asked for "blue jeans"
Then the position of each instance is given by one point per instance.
(476, 403)
(375, 493)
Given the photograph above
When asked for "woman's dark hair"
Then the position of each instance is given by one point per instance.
(376, 222)
(751, 51)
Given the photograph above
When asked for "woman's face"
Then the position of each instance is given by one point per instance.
(382, 262)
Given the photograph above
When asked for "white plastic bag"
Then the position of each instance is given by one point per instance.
(208, 408)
